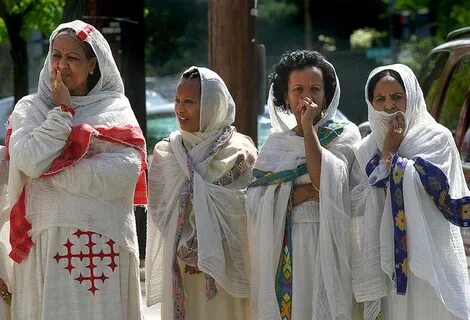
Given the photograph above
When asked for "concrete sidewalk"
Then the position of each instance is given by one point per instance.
(152, 313)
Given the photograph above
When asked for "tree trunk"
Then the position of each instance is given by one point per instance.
(19, 52)
(232, 54)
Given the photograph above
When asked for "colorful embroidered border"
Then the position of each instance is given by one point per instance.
(456, 211)
(399, 219)
(284, 268)
(330, 130)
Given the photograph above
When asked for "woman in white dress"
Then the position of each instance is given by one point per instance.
(76, 170)
(298, 203)
(196, 261)
(408, 258)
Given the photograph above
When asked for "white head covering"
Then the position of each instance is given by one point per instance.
(110, 80)
(415, 104)
(284, 122)
(217, 107)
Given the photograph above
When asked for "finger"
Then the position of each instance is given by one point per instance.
(59, 75)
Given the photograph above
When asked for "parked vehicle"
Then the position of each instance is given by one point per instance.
(445, 80)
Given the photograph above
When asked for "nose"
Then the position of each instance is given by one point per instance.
(389, 105)
(179, 107)
(62, 63)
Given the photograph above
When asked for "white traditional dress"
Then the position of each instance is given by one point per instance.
(300, 255)
(196, 257)
(408, 255)
(5, 262)
(72, 185)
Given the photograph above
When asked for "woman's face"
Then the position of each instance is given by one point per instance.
(69, 58)
(306, 82)
(188, 104)
(389, 95)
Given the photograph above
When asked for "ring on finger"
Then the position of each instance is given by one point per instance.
(398, 130)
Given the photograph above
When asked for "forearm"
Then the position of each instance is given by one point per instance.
(313, 153)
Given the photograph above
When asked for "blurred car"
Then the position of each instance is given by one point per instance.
(445, 80)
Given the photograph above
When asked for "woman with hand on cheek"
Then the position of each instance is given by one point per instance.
(408, 257)
(298, 202)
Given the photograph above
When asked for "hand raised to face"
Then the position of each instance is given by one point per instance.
(60, 93)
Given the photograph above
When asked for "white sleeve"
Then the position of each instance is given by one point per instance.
(33, 144)
(107, 175)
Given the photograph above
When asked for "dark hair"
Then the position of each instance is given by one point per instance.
(192, 73)
(373, 81)
(297, 60)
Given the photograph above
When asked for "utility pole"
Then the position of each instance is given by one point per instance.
(232, 54)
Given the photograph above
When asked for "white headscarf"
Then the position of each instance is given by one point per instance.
(415, 104)
(217, 107)
(284, 122)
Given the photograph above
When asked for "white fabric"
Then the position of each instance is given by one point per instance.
(218, 212)
(48, 291)
(96, 194)
(435, 247)
(328, 285)
(6, 263)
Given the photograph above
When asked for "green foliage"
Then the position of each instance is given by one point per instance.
(271, 10)
(365, 38)
(176, 35)
(43, 15)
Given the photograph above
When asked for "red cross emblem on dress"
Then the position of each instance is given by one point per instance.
(90, 258)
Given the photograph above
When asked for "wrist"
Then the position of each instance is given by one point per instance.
(66, 108)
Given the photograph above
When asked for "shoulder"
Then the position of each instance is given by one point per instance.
(242, 143)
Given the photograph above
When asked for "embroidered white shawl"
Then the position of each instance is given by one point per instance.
(219, 211)
(97, 193)
(266, 209)
(435, 248)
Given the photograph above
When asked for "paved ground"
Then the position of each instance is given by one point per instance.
(152, 313)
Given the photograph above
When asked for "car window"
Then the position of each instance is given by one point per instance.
(430, 75)
(455, 95)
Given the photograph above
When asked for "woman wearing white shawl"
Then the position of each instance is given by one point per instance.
(298, 204)
(5, 262)
(408, 257)
(196, 238)
(77, 161)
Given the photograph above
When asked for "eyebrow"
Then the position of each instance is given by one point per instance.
(71, 52)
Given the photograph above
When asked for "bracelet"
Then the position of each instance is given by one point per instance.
(66, 108)
(315, 187)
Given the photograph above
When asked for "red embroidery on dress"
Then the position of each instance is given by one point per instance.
(98, 266)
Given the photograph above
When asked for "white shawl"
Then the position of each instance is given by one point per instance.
(95, 194)
(219, 212)
(435, 248)
(266, 209)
